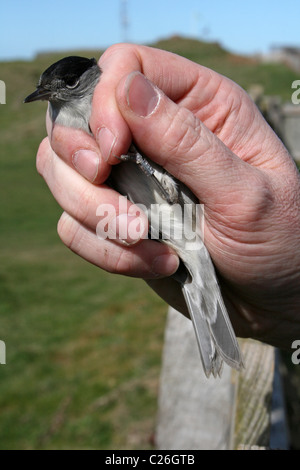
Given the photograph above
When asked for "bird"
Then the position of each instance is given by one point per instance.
(68, 85)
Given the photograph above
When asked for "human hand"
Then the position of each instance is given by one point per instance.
(205, 131)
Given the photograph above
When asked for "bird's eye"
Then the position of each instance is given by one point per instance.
(72, 82)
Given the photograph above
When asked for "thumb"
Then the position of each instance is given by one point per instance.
(176, 139)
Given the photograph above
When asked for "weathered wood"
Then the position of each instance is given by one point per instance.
(194, 412)
(290, 128)
(199, 413)
(245, 447)
(254, 384)
(284, 118)
(190, 406)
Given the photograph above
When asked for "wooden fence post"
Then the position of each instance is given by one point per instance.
(254, 388)
(232, 412)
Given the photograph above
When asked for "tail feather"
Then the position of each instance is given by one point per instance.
(224, 336)
(205, 344)
(215, 336)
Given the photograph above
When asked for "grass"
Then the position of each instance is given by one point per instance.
(83, 346)
(83, 353)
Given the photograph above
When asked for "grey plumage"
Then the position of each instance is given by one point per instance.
(69, 85)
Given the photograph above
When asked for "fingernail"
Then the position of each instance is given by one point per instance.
(165, 265)
(142, 96)
(106, 141)
(86, 163)
(127, 229)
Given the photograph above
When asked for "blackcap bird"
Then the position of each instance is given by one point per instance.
(68, 85)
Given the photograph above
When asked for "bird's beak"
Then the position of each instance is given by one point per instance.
(39, 94)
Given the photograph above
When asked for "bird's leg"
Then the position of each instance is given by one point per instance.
(166, 184)
(136, 157)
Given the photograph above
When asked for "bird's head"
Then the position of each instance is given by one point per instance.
(71, 78)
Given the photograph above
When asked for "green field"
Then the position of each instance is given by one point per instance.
(83, 346)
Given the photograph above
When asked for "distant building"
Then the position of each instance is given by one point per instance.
(289, 55)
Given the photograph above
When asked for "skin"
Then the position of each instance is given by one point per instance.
(205, 130)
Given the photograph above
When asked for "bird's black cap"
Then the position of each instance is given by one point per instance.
(68, 69)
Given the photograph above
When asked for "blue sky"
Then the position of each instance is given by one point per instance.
(31, 26)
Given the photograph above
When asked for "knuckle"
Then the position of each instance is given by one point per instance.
(61, 227)
(85, 204)
(69, 232)
(116, 260)
(115, 50)
(256, 198)
(261, 195)
(183, 134)
(246, 207)
(43, 155)
(122, 262)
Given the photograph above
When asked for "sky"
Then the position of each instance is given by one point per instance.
(31, 26)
